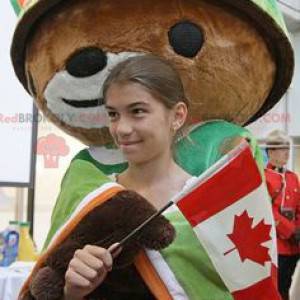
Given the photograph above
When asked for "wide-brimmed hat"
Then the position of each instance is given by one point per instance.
(277, 139)
(264, 14)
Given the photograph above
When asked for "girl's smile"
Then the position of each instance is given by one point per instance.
(139, 123)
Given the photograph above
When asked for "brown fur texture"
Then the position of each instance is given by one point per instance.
(105, 225)
(230, 78)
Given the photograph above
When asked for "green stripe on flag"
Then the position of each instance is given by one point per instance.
(16, 5)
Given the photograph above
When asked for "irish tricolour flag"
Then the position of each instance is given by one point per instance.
(229, 210)
(20, 5)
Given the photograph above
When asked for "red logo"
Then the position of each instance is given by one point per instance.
(52, 147)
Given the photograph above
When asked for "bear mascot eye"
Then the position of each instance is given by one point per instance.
(186, 39)
(86, 62)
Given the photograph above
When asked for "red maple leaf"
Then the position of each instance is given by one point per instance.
(248, 240)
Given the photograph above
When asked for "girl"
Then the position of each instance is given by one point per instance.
(147, 110)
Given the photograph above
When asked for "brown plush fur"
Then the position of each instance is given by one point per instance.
(229, 79)
(104, 226)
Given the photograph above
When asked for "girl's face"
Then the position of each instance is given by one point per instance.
(141, 125)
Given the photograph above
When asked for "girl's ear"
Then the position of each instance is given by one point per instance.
(180, 115)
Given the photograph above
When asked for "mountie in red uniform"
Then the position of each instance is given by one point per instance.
(284, 189)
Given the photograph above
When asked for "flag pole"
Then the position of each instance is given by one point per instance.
(191, 186)
(137, 229)
(140, 227)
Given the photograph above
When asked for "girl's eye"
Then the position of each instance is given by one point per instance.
(112, 115)
(138, 111)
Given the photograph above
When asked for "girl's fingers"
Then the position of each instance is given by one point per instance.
(115, 249)
(75, 279)
(87, 269)
(89, 272)
(102, 254)
(89, 259)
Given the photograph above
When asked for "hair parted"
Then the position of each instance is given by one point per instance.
(156, 75)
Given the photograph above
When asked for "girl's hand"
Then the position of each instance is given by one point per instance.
(87, 270)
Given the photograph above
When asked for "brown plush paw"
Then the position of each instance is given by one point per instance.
(47, 284)
(135, 209)
(110, 223)
(157, 235)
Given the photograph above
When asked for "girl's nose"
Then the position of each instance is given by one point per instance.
(123, 127)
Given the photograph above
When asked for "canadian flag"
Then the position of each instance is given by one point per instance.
(229, 209)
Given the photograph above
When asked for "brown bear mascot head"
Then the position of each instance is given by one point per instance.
(233, 56)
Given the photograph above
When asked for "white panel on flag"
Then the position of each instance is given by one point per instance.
(218, 243)
(16, 110)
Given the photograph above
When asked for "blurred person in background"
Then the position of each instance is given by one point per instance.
(284, 189)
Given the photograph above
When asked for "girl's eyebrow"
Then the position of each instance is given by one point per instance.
(130, 105)
(138, 103)
(109, 107)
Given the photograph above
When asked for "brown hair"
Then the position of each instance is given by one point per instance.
(155, 74)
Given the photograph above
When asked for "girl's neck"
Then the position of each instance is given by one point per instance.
(157, 180)
(150, 173)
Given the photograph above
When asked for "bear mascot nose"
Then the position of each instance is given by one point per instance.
(186, 39)
(86, 62)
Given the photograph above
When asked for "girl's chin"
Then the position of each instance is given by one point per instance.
(135, 157)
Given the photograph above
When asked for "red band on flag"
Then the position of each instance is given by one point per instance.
(234, 181)
(263, 290)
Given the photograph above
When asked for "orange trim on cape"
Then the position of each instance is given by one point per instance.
(100, 199)
(151, 278)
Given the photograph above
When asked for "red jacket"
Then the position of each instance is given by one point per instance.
(284, 190)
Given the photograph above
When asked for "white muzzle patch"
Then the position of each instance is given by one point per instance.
(78, 102)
